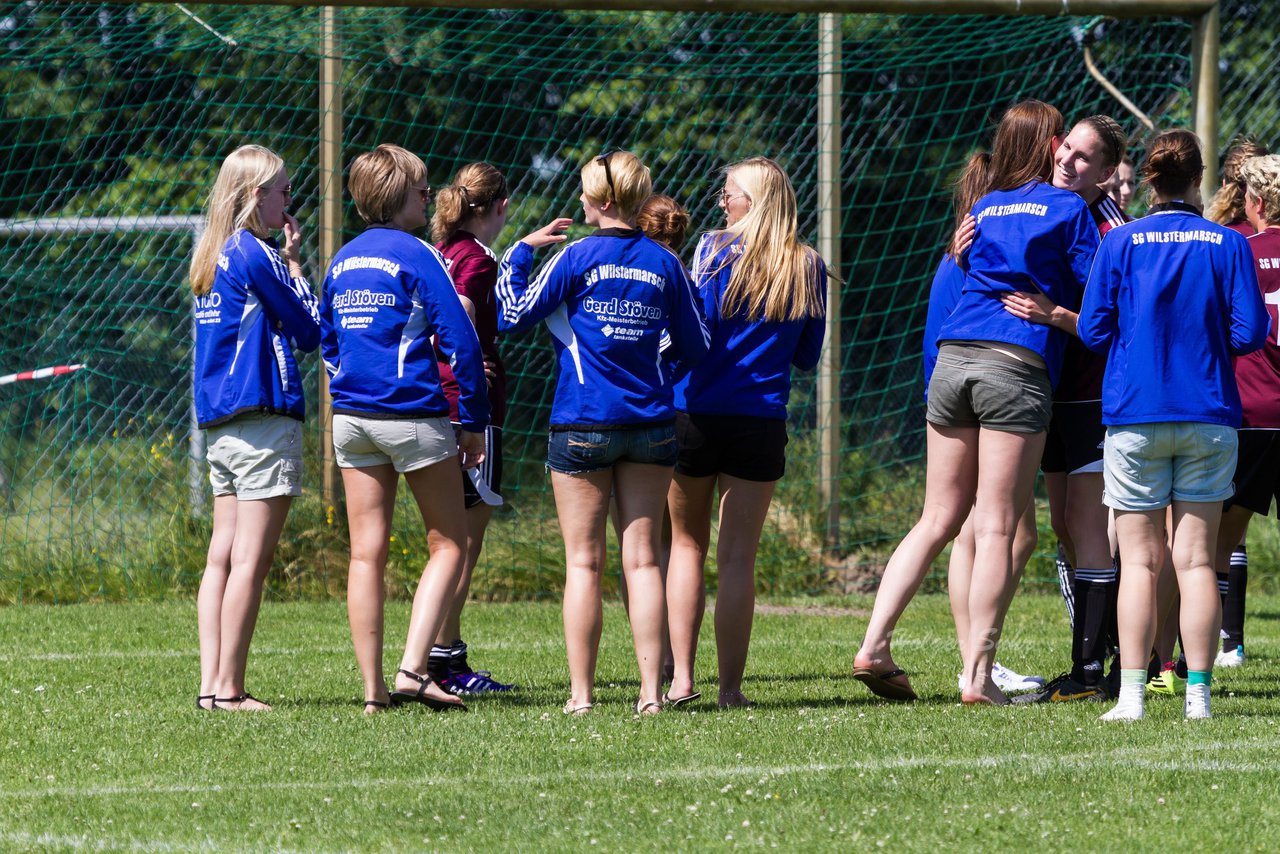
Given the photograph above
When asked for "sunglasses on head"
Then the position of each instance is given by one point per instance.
(608, 176)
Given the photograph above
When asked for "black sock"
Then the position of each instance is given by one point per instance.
(1089, 634)
(458, 658)
(1066, 582)
(438, 663)
(1233, 604)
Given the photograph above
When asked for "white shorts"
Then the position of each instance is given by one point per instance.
(406, 443)
(255, 456)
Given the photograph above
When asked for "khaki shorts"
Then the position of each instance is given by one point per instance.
(255, 456)
(406, 443)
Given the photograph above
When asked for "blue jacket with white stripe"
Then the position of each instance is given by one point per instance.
(748, 371)
(387, 293)
(246, 327)
(607, 299)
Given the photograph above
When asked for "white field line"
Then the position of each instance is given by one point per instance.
(44, 841)
(1127, 758)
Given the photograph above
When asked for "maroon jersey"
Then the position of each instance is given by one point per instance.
(1083, 369)
(1258, 373)
(474, 270)
(1243, 227)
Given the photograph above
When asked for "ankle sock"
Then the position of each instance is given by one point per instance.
(1199, 677)
(1131, 705)
(438, 662)
(1196, 704)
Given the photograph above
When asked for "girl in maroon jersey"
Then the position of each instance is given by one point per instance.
(469, 214)
(1227, 205)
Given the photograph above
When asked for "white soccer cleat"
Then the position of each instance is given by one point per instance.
(1234, 658)
(1007, 680)
(1197, 703)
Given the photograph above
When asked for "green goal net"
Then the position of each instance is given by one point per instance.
(114, 118)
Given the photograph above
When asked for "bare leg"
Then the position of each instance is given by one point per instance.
(641, 493)
(690, 500)
(212, 586)
(258, 526)
(582, 503)
(1006, 474)
(1195, 534)
(744, 504)
(1055, 486)
(437, 489)
(1142, 542)
(949, 489)
(959, 575)
(371, 496)
(477, 522)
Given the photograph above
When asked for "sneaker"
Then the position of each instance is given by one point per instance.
(1197, 702)
(1234, 658)
(1064, 689)
(1007, 680)
(1130, 706)
(1168, 682)
(474, 682)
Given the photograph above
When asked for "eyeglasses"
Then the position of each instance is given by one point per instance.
(725, 197)
(608, 176)
(287, 189)
(425, 191)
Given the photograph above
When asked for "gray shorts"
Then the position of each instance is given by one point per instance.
(255, 456)
(973, 386)
(406, 443)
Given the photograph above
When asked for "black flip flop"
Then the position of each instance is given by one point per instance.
(879, 684)
(674, 702)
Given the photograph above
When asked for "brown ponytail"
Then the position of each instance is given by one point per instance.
(475, 188)
(665, 220)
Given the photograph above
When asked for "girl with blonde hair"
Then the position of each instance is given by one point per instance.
(764, 295)
(609, 300)
(387, 295)
(1227, 205)
(253, 306)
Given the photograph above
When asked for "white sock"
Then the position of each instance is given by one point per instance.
(1197, 702)
(1131, 706)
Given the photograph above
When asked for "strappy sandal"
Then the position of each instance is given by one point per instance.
(200, 698)
(375, 704)
(399, 697)
(578, 711)
(642, 708)
(239, 698)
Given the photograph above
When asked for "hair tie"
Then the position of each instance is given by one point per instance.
(466, 196)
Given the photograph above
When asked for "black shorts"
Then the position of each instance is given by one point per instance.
(1074, 443)
(1257, 471)
(740, 446)
(483, 484)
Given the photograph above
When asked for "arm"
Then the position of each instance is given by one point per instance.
(1038, 308)
(285, 294)
(688, 338)
(1250, 320)
(1097, 323)
(328, 332)
(521, 304)
(458, 341)
(962, 238)
(809, 347)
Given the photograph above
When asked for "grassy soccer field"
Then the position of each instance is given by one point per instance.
(103, 749)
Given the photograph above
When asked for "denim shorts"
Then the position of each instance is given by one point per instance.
(975, 386)
(255, 456)
(408, 444)
(585, 451)
(1149, 465)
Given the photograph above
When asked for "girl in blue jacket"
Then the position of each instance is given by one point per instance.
(1171, 298)
(764, 295)
(609, 300)
(990, 395)
(253, 306)
(385, 297)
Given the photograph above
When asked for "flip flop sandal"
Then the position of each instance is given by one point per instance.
(675, 702)
(879, 684)
(399, 697)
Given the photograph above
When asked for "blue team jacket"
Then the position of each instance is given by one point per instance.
(607, 300)
(246, 327)
(748, 369)
(1172, 297)
(1034, 238)
(387, 293)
